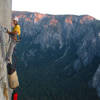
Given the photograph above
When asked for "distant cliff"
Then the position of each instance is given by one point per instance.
(58, 55)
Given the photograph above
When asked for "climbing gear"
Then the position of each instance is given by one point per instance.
(13, 80)
(16, 18)
(12, 76)
(18, 40)
(14, 95)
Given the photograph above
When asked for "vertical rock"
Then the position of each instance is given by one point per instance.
(96, 80)
(5, 21)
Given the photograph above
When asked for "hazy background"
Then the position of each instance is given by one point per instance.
(77, 7)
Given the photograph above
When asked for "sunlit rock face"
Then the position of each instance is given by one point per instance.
(61, 51)
(38, 17)
(69, 20)
(5, 21)
(86, 18)
(53, 21)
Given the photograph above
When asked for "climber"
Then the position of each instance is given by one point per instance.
(14, 34)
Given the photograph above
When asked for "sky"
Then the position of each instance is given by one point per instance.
(56, 7)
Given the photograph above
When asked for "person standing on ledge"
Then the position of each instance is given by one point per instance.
(15, 36)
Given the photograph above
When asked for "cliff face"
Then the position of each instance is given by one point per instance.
(5, 21)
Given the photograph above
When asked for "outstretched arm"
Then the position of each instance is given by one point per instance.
(11, 33)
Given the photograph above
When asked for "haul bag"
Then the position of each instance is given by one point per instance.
(14, 95)
(12, 76)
